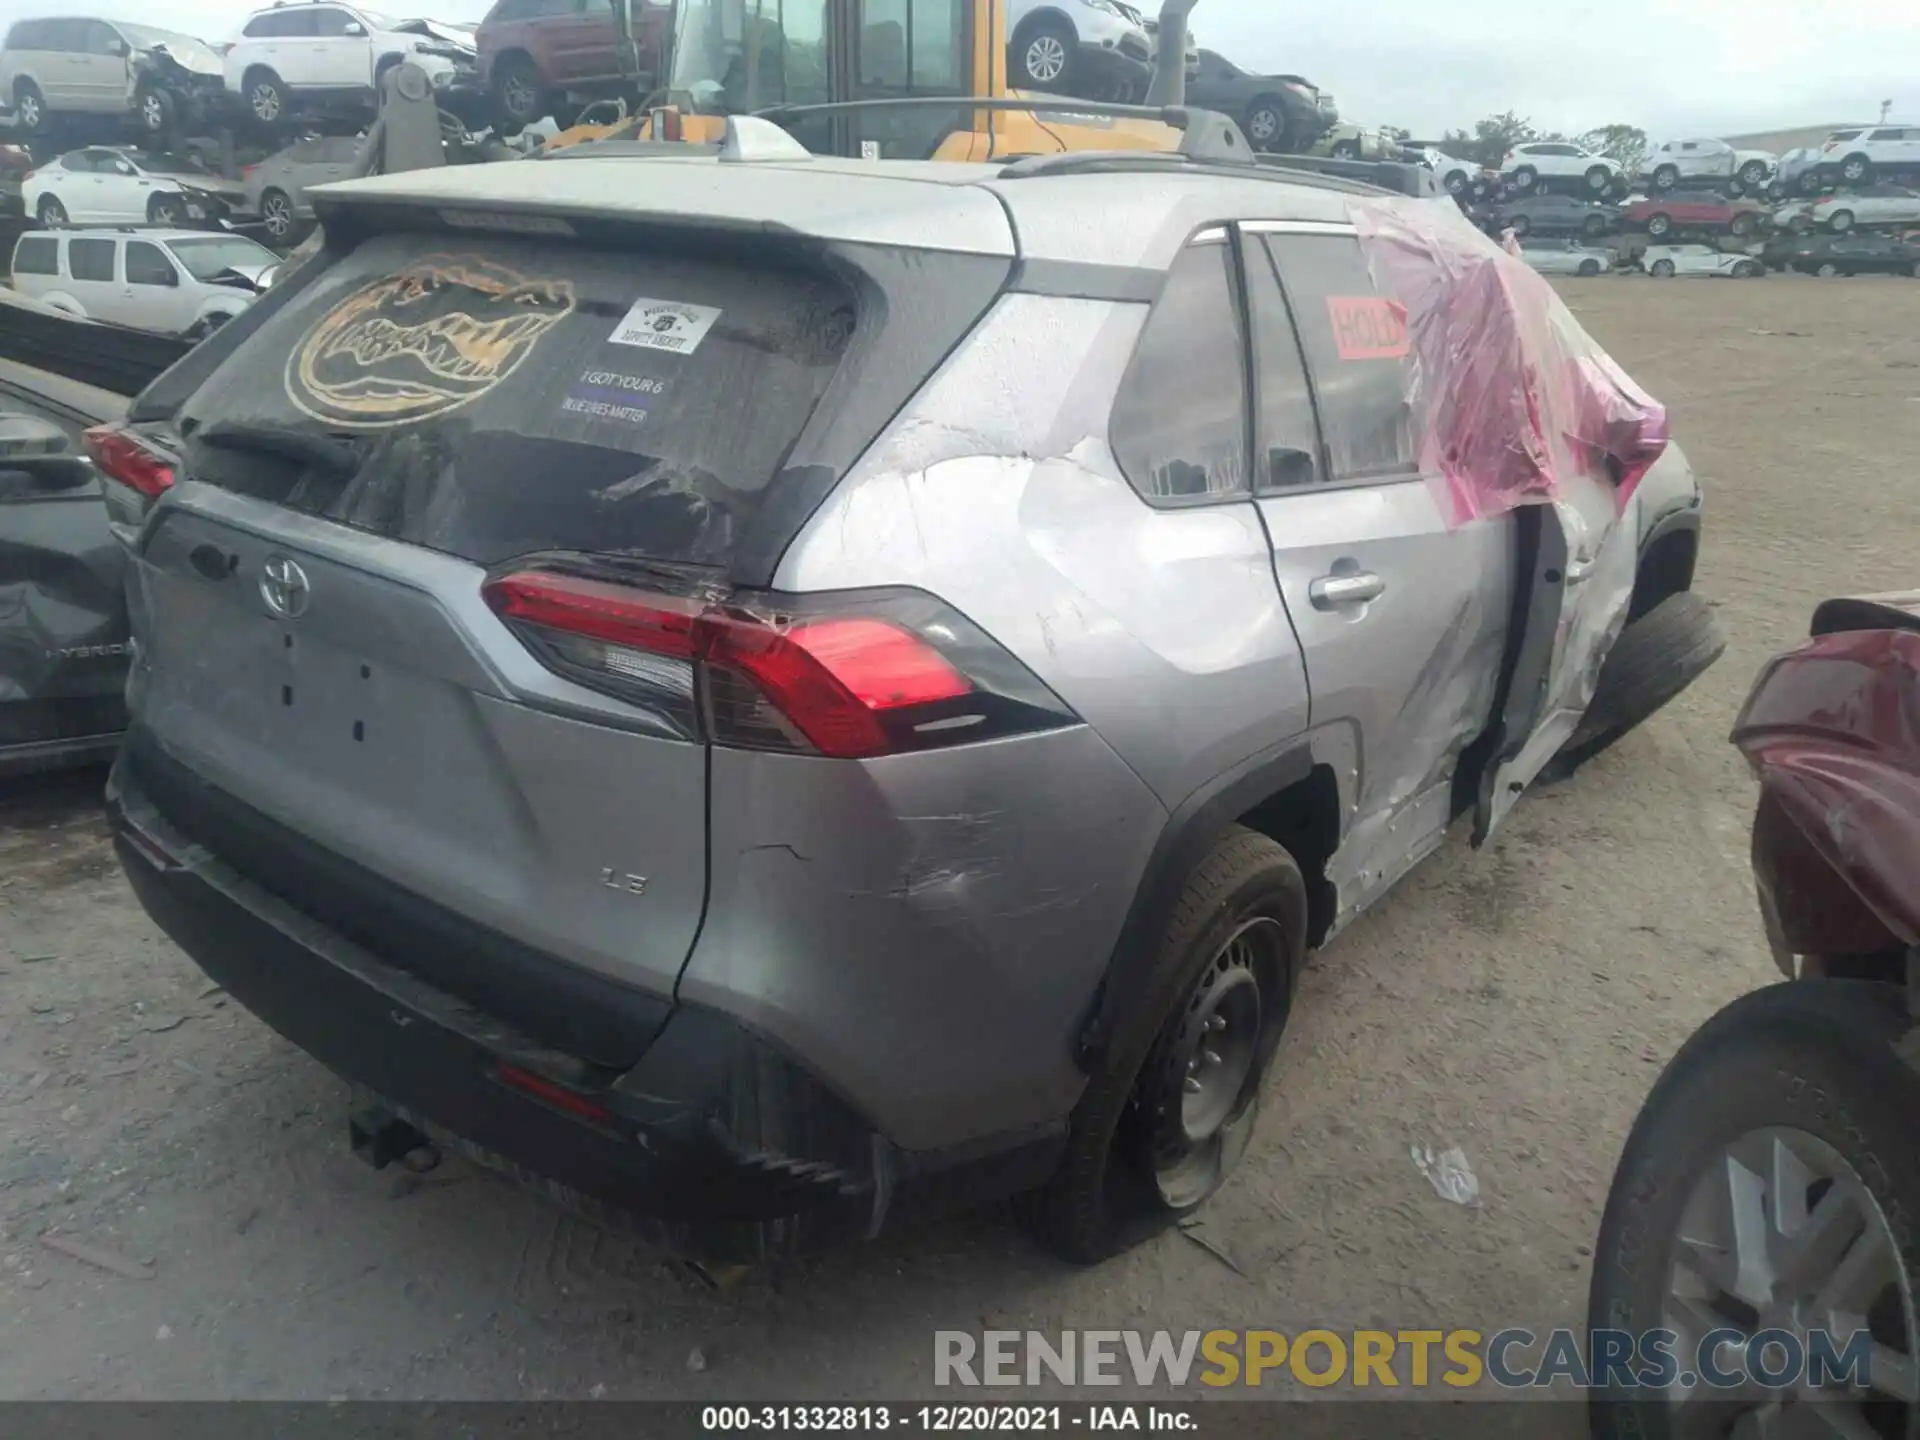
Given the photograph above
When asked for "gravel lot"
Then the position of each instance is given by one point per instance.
(1517, 1003)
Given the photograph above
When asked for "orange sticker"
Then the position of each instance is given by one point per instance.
(1366, 327)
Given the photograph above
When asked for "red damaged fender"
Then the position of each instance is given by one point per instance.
(1832, 730)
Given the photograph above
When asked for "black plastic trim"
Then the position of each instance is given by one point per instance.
(1078, 280)
(1184, 841)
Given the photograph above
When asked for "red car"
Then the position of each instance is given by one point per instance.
(542, 57)
(1681, 211)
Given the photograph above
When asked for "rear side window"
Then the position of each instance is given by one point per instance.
(1179, 427)
(90, 259)
(1357, 353)
(36, 255)
(493, 398)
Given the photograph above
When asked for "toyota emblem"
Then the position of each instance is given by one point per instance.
(284, 588)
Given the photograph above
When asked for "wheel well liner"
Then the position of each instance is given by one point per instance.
(1666, 567)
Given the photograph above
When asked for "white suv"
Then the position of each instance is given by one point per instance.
(1854, 157)
(1668, 164)
(178, 282)
(1527, 165)
(310, 51)
(1092, 48)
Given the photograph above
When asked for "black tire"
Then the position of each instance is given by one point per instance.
(1753, 174)
(1598, 179)
(1046, 56)
(1655, 659)
(1856, 170)
(1809, 183)
(1826, 270)
(1525, 178)
(265, 95)
(277, 216)
(29, 107)
(50, 212)
(1107, 1195)
(1458, 183)
(1346, 150)
(1815, 1056)
(1747, 269)
(1267, 126)
(1661, 270)
(1659, 225)
(1744, 224)
(1840, 221)
(1589, 269)
(516, 93)
(1593, 227)
(1520, 224)
(1666, 177)
(168, 210)
(157, 109)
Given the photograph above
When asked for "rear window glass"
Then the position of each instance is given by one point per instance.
(497, 398)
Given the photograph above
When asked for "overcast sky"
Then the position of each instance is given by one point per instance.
(1677, 68)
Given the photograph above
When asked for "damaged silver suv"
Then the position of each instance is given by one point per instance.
(764, 691)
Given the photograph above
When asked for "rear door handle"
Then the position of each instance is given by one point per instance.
(1331, 592)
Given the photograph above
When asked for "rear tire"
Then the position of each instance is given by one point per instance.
(1148, 1142)
(1267, 126)
(1593, 227)
(1346, 150)
(1661, 270)
(1525, 178)
(29, 107)
(1753, 174)
(168, 210)
(1743, 224)
(266, 95)
(1659, 226)
(1840, 221)
(50, 212)
(1807, 1068)
(1856, 170)
(157, 110)
(1589, 269)
(1666, 177)
(277, 216)
(1520, 225)
(1827, 270)
(1046, 56)
(516, 94)
(1597, 180)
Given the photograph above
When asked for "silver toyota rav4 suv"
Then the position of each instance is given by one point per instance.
(763, 692)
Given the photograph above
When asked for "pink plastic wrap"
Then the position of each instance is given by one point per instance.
(1518, 397)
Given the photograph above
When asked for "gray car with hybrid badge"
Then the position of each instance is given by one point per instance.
(767, 691)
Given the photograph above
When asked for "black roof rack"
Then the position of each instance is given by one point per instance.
(1353, 177)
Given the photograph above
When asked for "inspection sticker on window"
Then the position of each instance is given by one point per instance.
(668, 325)
(1365, 327)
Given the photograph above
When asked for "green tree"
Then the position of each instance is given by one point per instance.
(1625, 145)
(1492, 138)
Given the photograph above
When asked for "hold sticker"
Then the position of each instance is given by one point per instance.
(669, 325)
(1365, 327)
(416, 345)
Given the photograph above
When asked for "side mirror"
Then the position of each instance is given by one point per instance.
(354, 27)
(120, 48)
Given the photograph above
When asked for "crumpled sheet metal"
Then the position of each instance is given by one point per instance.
(1518, 397)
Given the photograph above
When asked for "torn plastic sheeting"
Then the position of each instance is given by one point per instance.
(1518, 397)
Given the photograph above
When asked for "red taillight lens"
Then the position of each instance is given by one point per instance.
(846, 686)
(550, 1093)
(123, 456)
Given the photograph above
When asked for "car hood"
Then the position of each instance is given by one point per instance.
(190, 54)
(434, 30)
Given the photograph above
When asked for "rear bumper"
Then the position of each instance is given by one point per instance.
(715, 1145)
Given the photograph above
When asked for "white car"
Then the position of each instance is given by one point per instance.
(1455, 174)
(1526, 166)
(1854, 157)
(1566, 257)
(305, 50)
(103, 186)
(1092, 48)
(1667, 165)
(1875, 205)
(1664, 262)
(178, 282)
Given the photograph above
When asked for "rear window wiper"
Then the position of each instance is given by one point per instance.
(302, 448)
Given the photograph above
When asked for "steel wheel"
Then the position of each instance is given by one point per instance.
(1046, 58)
(1782, 1234)
(1200, 1100)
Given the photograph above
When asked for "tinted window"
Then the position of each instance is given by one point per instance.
(90, 259)
(206, 256)
(283, 24)
(1179, 424)
(1284, 426)
(614, 423)
(330, 24)
(36, 255)
(146, 265)
(27, 35)
(1357, 352)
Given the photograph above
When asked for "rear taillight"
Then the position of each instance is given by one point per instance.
(850, 677)
(121, 455)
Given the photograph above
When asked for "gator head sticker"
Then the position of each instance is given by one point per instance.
(436, 336)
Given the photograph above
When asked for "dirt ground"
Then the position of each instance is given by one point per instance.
(1516, 1003)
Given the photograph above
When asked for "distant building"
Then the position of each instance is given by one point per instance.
(1781, 141)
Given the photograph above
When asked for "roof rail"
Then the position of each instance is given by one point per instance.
(1207, 134)
(1354, 177)
(1402, 177)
